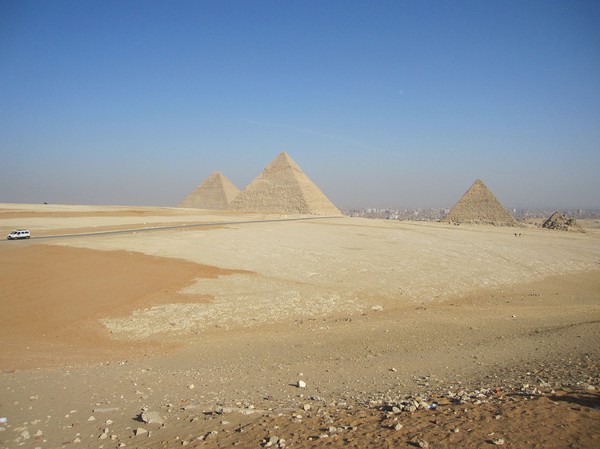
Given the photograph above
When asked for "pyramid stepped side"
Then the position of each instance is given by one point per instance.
(283, 188)
(216, 192)
(479, 206)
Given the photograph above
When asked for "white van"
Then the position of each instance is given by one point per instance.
(19, 234)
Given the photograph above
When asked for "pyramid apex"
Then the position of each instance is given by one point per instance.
(283, 156)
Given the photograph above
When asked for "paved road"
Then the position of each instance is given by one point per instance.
(167, 228)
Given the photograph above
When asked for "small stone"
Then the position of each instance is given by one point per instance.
(108, 422)
(306, 407)
(191, 386)
(106, 409)
(301, 384)
(152, 418)
(92, 418)
(25, 435)
(423, 443)
(77, 440)
(140, 431)
(498, 442)
(398, 426)
(103, 436)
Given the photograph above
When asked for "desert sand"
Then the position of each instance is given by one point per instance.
(255, 330)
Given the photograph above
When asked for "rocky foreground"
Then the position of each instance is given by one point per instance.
(557, 406)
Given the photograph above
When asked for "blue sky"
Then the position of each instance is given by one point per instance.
(399, 103)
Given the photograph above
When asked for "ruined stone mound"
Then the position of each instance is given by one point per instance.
(283, 188)
(478, 205)
(561, 222)
(216, 192)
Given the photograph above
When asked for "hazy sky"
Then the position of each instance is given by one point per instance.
(399, 103)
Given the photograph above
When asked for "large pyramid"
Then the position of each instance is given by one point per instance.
(283, 188)
(479, 205)
(216, 192)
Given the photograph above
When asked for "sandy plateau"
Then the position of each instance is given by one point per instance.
(167, 327)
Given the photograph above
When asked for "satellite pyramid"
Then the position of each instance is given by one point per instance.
(561, 222)
(283, 188)
(216, 192)
(479, 205)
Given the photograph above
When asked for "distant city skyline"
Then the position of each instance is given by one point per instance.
(396, 104)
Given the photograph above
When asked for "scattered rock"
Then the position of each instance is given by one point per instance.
(152, 417)
(140, 431)
(301, 384)
(105, 409)
(560, 222)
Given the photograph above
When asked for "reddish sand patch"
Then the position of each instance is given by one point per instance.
(51, 298)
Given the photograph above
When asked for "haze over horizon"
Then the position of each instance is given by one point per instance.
(382, 104)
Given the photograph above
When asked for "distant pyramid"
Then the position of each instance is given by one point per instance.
(479, 205)
(283, 188)
(561, 222)
(216, 192)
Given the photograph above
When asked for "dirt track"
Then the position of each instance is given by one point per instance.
(364, 311)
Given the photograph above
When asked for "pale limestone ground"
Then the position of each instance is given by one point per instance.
(341, 265)
(543, 330)
(69, 217)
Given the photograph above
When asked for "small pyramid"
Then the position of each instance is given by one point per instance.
(283, 188)
(478, 205)
(216, 192)
(561, 222)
